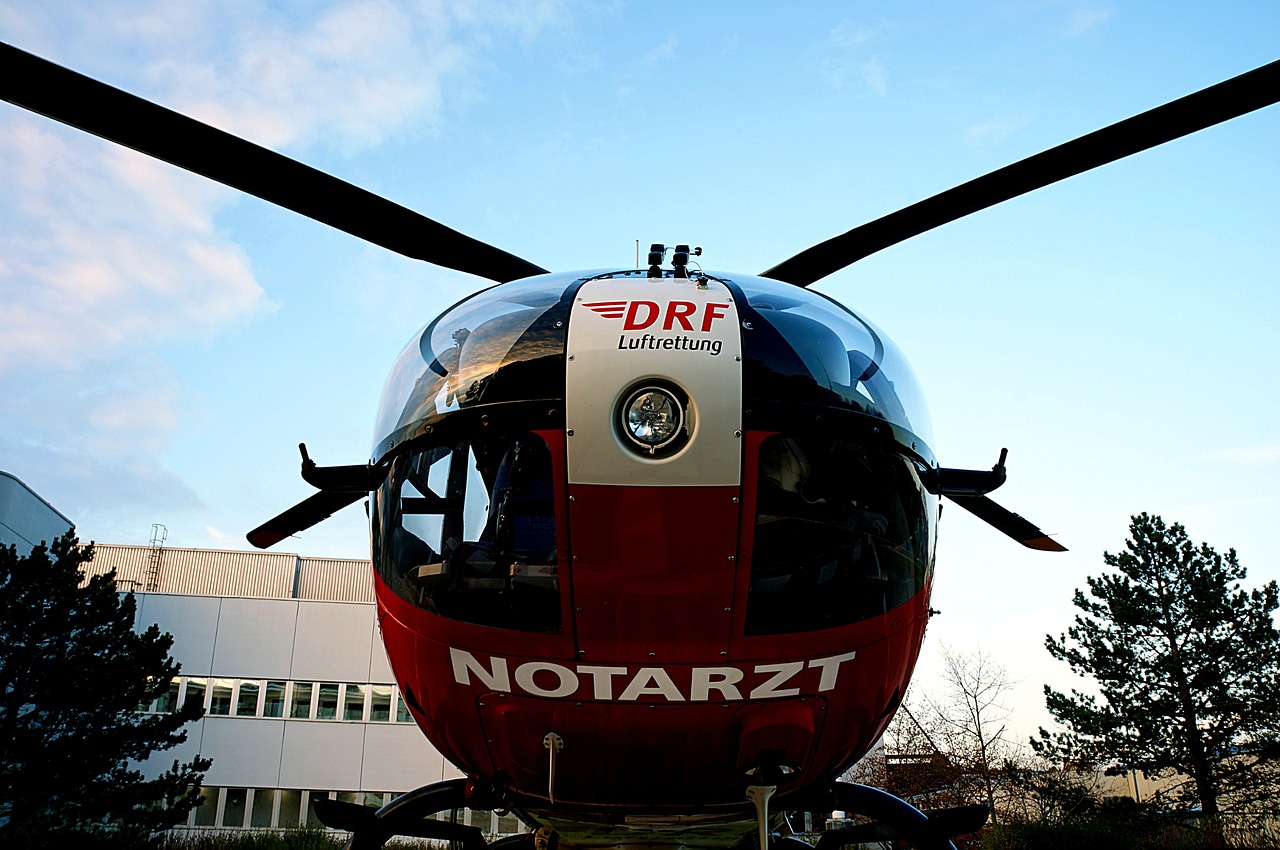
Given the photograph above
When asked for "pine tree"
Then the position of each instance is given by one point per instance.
(73, 674)
(1187, 669)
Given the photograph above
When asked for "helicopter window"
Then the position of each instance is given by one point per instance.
(454, 361)
(468, 531)
(843, 353)
(842, 533)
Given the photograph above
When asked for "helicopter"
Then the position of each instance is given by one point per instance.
(652, 545)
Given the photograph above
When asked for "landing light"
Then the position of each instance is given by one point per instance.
(652, 418)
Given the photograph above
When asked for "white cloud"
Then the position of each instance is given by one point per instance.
(1082, 19)
(662, 51)
(636, 72)
(849, 34)
(843, 61)
(352, 75)
(875, 76)
(107, 250)
(87, 449)
(106, 255)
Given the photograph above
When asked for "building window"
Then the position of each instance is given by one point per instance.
(167, 702)
(402, 711)
(327, 702)
(233, 807)
(379, 703)
(370, 703)
(353, 703)
(195, 692)
(247, 700)
(301, 704)
(206, 813)
(220, 696)
(273, 702)
(290, 807)
(261, 809)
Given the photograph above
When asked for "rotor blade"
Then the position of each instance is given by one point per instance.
(320, 506)
(363, 820)
(1005, 520)
(1224, 101)
(71, 98)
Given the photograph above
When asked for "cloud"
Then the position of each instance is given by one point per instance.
(843, 62)
(352, 76)
(637, 71)
(849, 34)
(1082, 19)
(108, 257)
(1063, 18)
(661, 52)
(107, 250)
(875, 76)
(67, 452)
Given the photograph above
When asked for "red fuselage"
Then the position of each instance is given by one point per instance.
(751, 594)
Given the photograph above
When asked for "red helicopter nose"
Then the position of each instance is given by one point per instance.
(686, 507)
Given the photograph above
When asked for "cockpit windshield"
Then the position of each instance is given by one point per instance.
(467, 530)
(844, 354)
(494, 346)
(844, 532)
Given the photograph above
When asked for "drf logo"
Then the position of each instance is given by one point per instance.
(640, 315)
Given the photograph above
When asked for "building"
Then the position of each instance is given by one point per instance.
(284, 653)
(26, 520)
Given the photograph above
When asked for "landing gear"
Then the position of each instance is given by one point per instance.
(758, 793)
(412, 815)
(894, 819)
(409, 815)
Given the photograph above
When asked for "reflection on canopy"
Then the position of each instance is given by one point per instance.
(457, 360)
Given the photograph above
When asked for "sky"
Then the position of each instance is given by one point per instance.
(165, 343)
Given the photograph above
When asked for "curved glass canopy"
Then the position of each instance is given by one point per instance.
(465, 524)
(804, 347)
(507, 343)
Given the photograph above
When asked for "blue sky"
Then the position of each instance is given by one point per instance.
(165, 343)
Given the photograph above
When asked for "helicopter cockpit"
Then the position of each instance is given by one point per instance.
(471, 522)
(843, 526)
(465, 523)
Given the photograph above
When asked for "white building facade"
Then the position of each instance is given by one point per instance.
(284, 654)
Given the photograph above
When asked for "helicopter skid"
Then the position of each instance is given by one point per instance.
(412, 814)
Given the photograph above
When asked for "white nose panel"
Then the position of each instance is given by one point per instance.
(625, 332)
